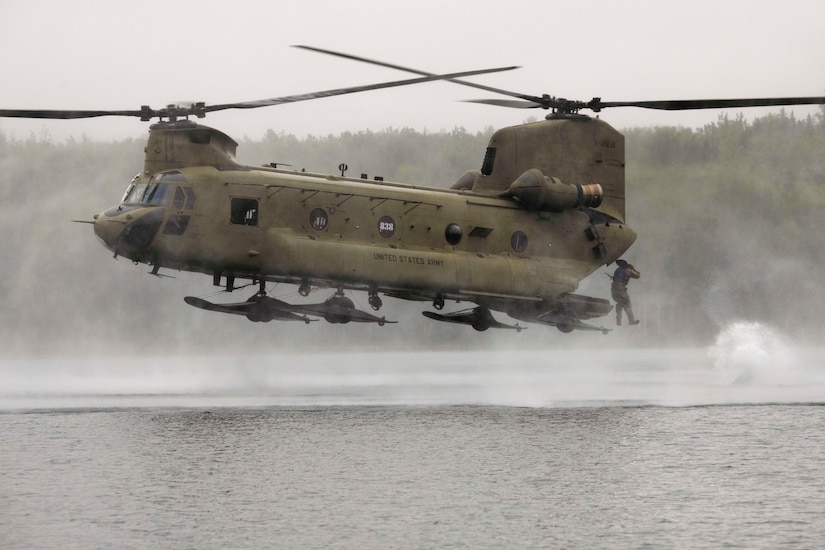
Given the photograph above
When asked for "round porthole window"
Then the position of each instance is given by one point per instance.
(318, 219)
(453, 234)
(519, 241)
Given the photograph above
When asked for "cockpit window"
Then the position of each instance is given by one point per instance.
(173, 176)
(157, 193)
(134, 194)
(134, 182)
(158, 190)
(184, 199)
(177, 202)
(147, 193)
(190, 198)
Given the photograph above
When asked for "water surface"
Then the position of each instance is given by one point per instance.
(526, 449)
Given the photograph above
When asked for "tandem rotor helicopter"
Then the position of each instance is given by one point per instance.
(517, 236)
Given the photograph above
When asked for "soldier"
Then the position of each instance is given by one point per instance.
(618, 289)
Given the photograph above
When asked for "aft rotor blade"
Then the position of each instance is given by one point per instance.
(596, 104)
(689, 104)
(564, 105)
(417, 71)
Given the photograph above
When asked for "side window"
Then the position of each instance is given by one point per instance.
(244, 211)
(184, 199)
(177, 202)
(190, 198)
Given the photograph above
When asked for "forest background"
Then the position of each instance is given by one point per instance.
(727, 217)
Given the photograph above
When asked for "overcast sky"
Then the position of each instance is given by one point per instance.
(88, 54)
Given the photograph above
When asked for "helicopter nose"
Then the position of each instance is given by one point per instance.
(107, 229)
(128, 232)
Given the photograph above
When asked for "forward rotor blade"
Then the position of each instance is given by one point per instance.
(56, 114)
(200, 110)
(505, 103)
(688, 104)
(343, 91)
(416, 71)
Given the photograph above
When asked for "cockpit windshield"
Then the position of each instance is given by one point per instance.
(147, 192)
(156, 193)
(134, 191)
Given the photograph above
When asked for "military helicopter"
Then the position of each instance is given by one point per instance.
(517, 236)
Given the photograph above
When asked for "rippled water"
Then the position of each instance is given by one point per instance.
(621, 449)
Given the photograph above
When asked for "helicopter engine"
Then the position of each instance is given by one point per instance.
(539, 192)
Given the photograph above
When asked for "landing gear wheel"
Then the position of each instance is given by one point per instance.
(375, 300)
(303, 290)
(438, 303)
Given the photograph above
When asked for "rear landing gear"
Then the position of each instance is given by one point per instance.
(375, 300)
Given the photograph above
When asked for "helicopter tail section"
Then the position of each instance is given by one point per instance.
(580, 151)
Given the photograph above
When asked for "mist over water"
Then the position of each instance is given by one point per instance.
(752, 354)
(748, 363)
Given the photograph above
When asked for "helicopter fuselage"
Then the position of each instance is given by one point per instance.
(357, 233)
(407, 241)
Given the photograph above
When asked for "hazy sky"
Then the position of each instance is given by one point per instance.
(90, 54)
